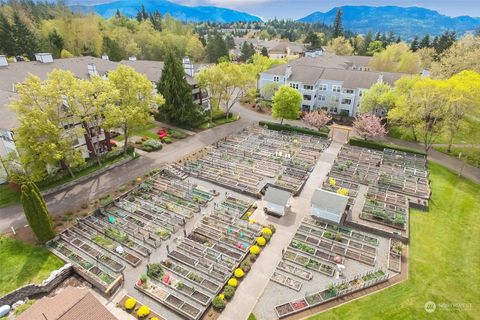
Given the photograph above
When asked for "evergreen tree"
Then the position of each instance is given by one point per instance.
(56, 43)
(384, 40)
(337, 24)
(36, 212)
(247, 51)
(7, 43)
(216, 48)
(265, 52)
(366, 42)
(399, 39)
(391, 37)
(142, 15)
(25, 41)
(114, 51)
(313, 39)
(425, 43)
(378, 36)
(156, 20)
(414, 45)
(445, 41)
(179, 107)
(118, 14)
(230, 42)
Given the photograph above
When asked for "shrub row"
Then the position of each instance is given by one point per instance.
(287, 127)
(380, 146)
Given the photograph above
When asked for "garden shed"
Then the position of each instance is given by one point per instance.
(277, 201)
(328, 206)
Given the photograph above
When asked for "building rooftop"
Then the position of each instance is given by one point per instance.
(277, 196)
(70, 304)
(8, 118)
(328, 205)
(308, 70)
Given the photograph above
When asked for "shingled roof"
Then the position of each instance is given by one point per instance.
(70, 304)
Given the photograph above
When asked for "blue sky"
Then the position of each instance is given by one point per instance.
(299, 8)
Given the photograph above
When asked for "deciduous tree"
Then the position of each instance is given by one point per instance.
(378, 96)
(287, 103)
(136, 98)
(341, 46)
(318, 119)
(396, 58)
(369, 126)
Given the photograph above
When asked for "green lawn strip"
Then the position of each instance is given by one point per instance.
(443, 259)
(22, 308)
(219, 121)
(144, 132)
(469, 155)
(252, 317)
(45, 185)
(21, 263)
(8, 196)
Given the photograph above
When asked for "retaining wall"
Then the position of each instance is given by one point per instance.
(29, 290)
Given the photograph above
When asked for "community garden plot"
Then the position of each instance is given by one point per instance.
(385, 207)
(246, 162)
(200, 264)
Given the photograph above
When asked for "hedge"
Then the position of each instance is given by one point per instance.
(380, 146)
(287, 127)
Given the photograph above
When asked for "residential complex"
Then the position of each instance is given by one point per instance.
(334, 83)
(82, 67)
(277, 49)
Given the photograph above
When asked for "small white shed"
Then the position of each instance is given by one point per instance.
(277, 201)
(328, 206)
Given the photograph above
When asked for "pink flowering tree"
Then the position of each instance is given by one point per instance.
(369, 126)
(317, 119)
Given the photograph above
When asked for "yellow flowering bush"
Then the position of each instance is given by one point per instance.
(233, 282)
(261, 241)
(343, 191)
(267, 231)
(332, 181)
(239, 273)
(154, 318)
(143, 311)
(221, 296)
(130, 303)
(255, 250)
(249, 213)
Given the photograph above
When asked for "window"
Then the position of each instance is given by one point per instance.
(346, 101)
(323, 87)
(307, 97)
(333, 109)
(360, 93)
(294, 85)
(305, 108)
(306, 87)
(349, 91)
(321, 98)
(336, 88)
(276, 78)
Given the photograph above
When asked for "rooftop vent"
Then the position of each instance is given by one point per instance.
(105, 57)
(3, 61)
(132, 58)
(92, 69)
(44, 57)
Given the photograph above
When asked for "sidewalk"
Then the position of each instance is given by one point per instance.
(468, 171)
(252, 287)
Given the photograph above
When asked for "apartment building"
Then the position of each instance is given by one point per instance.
(14, 73)
(334, 83)
(277, 49)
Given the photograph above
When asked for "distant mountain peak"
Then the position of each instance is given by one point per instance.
(404, 21)
(130, 8)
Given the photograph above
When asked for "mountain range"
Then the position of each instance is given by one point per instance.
(406, 22)
(130, 8)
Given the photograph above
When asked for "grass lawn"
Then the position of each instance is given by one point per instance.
(469, 155)
(444, 259)
(8, 196)
(469, 133)
(144, 132)
(21, 263)
(220, 121)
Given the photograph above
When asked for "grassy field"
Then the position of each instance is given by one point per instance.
(469, 133)
(469, 155)
(444, 260)
(219, 122)
(144, 132)
(21, 263)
